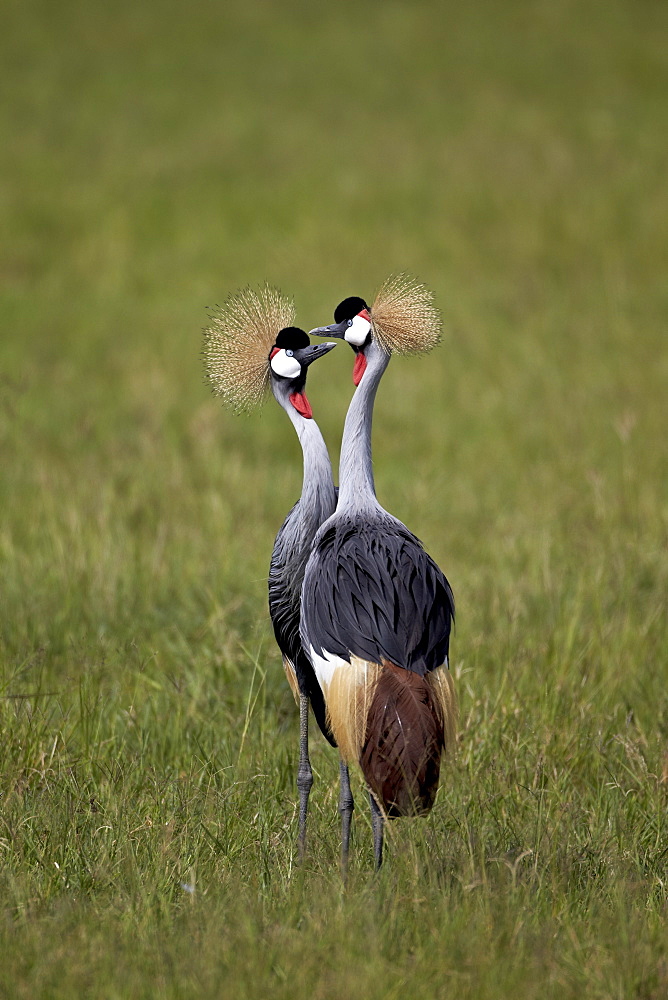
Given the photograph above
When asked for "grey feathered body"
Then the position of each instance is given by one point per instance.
(373, 594)
(286, 574)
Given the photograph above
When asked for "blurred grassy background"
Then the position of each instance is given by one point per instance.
(156, 157)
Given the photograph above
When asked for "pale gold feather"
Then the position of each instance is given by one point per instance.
(443, 689)
(237, 343)
(404, 317)
(348, 697)
(291, 675)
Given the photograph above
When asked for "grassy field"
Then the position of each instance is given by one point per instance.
(154, 158)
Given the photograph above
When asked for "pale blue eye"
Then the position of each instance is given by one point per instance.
(288, 354)
(350, 322)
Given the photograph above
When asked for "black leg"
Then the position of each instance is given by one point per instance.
(304, 774)
(346, 806)
(377, 824)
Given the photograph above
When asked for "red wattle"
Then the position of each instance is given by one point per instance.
(359, 369)
(301, 404)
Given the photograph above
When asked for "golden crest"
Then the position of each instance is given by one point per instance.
(237, 343)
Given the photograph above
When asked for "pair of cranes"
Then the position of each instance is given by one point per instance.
(362, 615)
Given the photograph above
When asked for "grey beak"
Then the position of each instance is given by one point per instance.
(311, 354)
(333, 330)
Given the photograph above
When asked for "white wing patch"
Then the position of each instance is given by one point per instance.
(324, 666)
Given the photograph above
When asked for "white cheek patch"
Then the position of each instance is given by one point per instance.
(281, 364)
(358, 332)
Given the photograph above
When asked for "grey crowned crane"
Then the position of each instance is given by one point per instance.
(250, 343)
(376, 609)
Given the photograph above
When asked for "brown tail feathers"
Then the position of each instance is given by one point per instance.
(411, 719)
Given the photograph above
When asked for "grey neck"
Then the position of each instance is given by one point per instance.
(356, 486)
(318, 498)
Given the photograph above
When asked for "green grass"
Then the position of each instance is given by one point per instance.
(156, 157)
